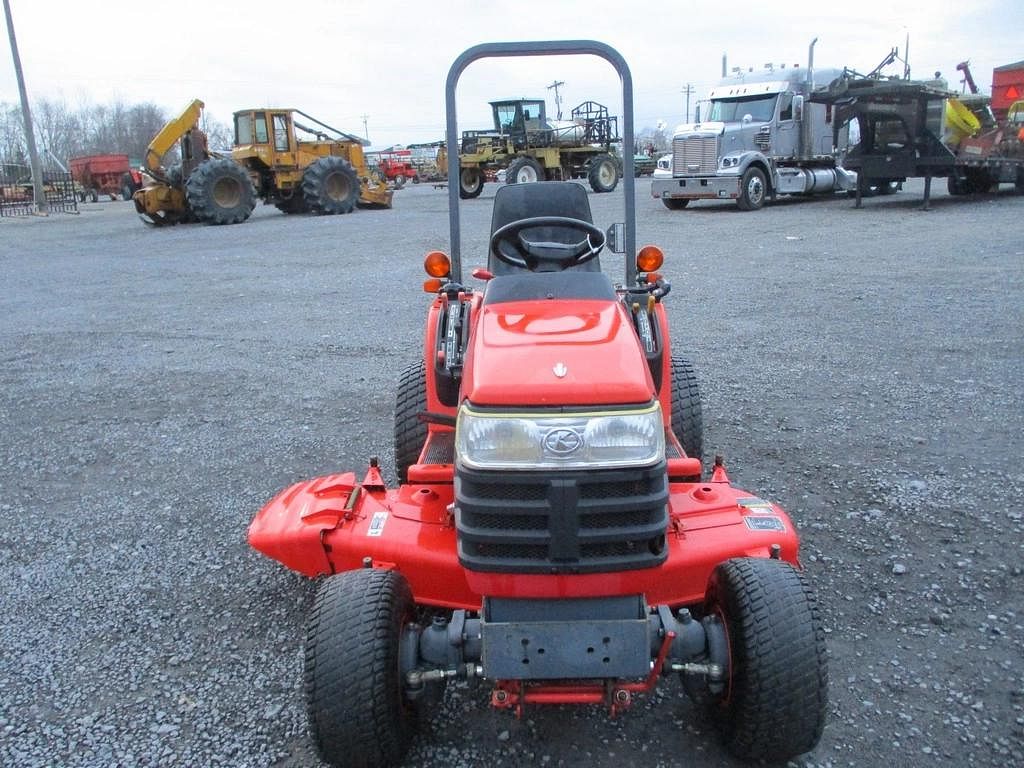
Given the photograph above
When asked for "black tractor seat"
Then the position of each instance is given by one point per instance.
(514, 202)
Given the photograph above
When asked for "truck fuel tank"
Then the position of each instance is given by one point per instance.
(814, 180)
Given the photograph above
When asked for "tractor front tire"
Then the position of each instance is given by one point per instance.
(330, 186)
(753, 190)
(220, 191)
(410, 431)
(524, 170)
(471, 183)
(603, 173)
(358, 712)
(675, 203)
(687, 414)
(774, 704)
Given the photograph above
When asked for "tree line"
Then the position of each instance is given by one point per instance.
(63, 132)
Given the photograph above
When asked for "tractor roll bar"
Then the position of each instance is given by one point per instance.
(540, 48)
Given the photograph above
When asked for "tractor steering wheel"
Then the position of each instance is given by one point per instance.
(508, 244)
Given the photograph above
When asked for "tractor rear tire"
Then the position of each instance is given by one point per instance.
(330, 186)
(358, 712)
(753, 190)
(410, 431)
(687, 414)
(675, 203)
(220, 191)
(471, 183)
(774, 705)
(524, 170)
(603, 173)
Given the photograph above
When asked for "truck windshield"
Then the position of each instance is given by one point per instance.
(760, 108)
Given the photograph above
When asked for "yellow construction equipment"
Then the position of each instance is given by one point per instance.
(326, 175)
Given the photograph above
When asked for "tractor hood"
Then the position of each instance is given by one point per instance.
(549, 353)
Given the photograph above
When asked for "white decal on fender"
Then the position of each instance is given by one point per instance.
(377, 524)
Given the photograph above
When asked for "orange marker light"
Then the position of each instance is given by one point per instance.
(437, 264)
(649, 258)
(432, 285)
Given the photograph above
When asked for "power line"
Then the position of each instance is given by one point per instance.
(558, 99)
(687, 91)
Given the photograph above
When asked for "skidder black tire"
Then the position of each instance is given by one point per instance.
(774, 705)
(753, 190)
(410, 431)
(330, 186)
(524, 170)
(220, 191)
(687, 415)
(358, 714)
(471, 183)
(603, 173)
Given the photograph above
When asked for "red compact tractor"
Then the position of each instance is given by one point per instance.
(554, 533)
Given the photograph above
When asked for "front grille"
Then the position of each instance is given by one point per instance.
(694, 155)
(561, 522)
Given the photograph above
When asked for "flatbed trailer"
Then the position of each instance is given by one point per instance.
(903, 133)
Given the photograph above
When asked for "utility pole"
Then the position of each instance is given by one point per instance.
(30, 138)
(366, 132)
(558, 99)
(687, 91)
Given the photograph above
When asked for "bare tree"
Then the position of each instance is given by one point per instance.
(218, 135)
(57, 129)
(13, 159)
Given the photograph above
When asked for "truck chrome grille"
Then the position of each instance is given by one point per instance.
(694, 154)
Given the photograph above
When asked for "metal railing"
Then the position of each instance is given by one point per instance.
(16, 196)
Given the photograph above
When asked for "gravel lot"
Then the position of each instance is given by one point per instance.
(861, 367)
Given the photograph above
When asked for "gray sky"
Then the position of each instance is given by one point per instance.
(340, 60)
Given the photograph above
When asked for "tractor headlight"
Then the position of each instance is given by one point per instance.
(597, 440)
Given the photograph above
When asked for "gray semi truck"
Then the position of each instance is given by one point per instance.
(760, 137)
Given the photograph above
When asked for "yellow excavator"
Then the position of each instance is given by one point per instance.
(326, 175)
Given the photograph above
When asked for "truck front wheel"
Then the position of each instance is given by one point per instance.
(752, 190)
